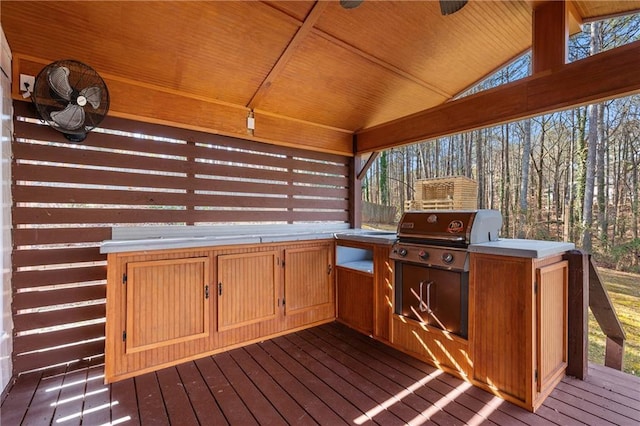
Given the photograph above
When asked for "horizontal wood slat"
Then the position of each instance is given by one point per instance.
(43, 194)
(67, 196)
(217, 148)
(23, 237)
(27, 172)
(127, 161)
(71, 215)
(36, 299)
(58, 356)
(23, 258)
(38, 320)
(28, 279)
(191, 135)
(34, 342)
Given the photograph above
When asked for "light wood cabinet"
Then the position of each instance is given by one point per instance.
(355, 299)
(167, 303)
(518, 325)
(364, 287)
(308, 278)
(247, 288)
(159, 308)
(169, 306)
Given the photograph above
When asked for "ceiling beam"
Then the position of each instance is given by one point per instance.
(608, 75)
(294, 44)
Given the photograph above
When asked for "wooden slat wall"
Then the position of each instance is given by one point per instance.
(67, 196)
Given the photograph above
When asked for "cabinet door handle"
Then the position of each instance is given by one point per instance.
(329, 269)
(425, 307)
(219, 289)
(206, 291)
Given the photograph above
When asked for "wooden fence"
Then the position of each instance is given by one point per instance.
(67, 196)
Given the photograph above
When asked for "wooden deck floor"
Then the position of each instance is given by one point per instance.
(326, 375)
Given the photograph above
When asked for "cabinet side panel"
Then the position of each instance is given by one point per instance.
(383, 282)
(500, 323)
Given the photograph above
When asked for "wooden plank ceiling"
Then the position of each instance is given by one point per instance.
(313, 73)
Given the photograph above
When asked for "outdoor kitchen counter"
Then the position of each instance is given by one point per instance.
(128, 239)
(534, 249)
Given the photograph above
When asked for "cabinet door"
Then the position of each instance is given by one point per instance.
(167, 303)
(551, 311)
(355, 299)
(308, 282)
(247, 288)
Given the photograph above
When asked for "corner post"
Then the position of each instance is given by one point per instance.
(578, 314)
(355, 189)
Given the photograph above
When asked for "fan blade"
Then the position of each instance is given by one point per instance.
(93, 95)
(59, 82)
(70, 118)
(447, 7)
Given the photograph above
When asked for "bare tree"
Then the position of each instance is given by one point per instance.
(592, 139)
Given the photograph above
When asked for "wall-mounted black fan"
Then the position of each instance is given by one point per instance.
(71, 97)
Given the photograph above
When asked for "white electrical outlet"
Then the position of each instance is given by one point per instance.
(27, 82)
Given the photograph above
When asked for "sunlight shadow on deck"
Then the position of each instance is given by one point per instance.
(396, 398)
(82, 413)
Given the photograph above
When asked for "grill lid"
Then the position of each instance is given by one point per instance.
(457, 228)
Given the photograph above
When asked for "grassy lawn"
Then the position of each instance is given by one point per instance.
(624, 291)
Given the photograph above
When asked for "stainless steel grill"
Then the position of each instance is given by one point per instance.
(432, 264)
(440, 238)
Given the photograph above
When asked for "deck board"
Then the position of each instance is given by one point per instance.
(357, 394)
(311, 403)
(68, 409)
(43, 403)
(124, 402)
(385, 371)
(256, 402)
(16, 403)
(96, 399)
(150, 404)
(326, 375)
(200, 396)
(341, 406)
(235, 411)
(175, 398)
(376, 385)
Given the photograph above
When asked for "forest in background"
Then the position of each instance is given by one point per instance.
(570, 175)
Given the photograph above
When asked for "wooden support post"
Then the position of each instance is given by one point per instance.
(578, 314)
(614, 352)
(550, 36)
(355, 189)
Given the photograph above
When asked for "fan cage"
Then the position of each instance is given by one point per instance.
(81, 76)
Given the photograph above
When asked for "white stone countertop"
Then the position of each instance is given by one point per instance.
(127, 239)
(522, 248)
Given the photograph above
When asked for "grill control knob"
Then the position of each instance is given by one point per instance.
(447, 258)
(423, 255)
(402, 252)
